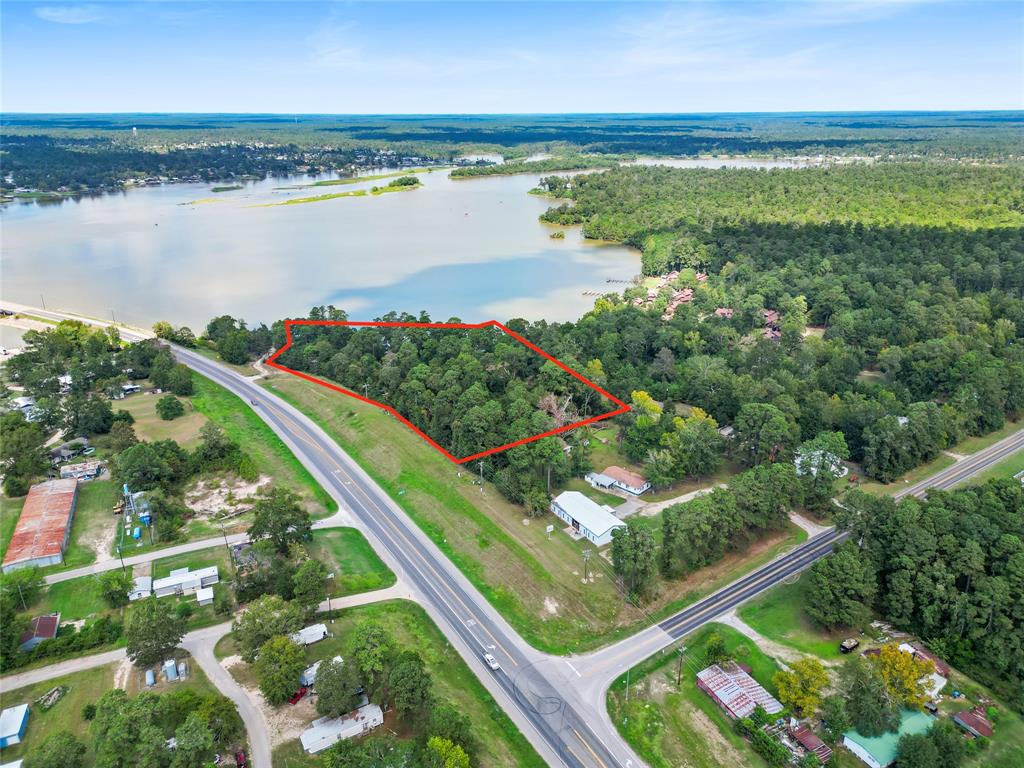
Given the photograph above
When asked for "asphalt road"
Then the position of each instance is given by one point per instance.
(557, 702)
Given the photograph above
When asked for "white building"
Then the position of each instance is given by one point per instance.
(204, 596)
(182, 581)
(818, 460)
(142, 587)
(327, 731)
(629, 481)
(590, 519)
(310, 635)
(309, 676)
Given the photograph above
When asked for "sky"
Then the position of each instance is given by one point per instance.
(526, 57)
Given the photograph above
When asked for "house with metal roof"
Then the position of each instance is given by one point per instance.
(325, 732)
(12, 725)
(880, 751)
(587, 518)
(41, 534)
(182, 581)
(309, 635)
(42, 628)
(735, 690)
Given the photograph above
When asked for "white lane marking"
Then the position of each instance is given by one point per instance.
(573, 668)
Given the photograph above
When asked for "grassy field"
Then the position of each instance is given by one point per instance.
(779, 616)
(576, 484)
(347, 554)
(501, 744)
(194, 561)
(150, 427)
(83, 688)
(74, 600)
(672, 726)
(265, 448)
(535, 582)
(94, 524)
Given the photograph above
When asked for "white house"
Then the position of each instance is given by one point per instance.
(310, 635)
(630, 482)
(599, 480)
(183, 580)
(817, 460)
(142, 587)
(308, 677)
(204, 596)
(327, 731)
(590, 519)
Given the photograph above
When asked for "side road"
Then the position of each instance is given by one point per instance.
(200, 645)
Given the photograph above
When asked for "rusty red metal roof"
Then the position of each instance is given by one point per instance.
(43, 523)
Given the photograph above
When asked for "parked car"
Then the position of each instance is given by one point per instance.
(297, 696)
(850, 644)
(240, 759)
(492, 662)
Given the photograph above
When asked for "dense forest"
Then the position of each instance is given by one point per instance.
(93, 152)
(949, 569)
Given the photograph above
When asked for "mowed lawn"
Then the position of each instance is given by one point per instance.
(536, 582)
(500, 743)
(183, 430)
(349, 556)
(778, 615)
(670, 725)
(10, 511)
(266, 449)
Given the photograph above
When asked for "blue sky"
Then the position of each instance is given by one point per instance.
(480, 57)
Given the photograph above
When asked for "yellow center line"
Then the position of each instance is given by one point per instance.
(589, 749)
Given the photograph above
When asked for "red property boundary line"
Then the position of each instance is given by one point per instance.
(622, 407)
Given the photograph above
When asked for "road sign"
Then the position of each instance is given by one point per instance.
(550, 528)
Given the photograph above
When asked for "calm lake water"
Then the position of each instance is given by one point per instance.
(472, 249)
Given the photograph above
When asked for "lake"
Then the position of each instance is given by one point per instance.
(472, 249)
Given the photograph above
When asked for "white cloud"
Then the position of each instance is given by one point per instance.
(71, 14)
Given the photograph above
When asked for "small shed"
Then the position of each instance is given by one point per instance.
(325, 732)
(12, 725)
(204, 596)
(42, 628)
(170, 670)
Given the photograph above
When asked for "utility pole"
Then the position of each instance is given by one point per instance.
(627, 685)
(586, 565)
(366, 390)
(549, 479)
(679, 668)
(481, 465)
(42, 301)
(112, 318)
(231, 557)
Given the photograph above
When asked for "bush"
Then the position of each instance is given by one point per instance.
(88, 712)
(16, 486)
(169, 407)
(185, 610)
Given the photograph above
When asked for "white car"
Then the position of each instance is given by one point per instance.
(492, 662)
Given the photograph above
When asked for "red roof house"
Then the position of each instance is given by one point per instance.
(975, 722)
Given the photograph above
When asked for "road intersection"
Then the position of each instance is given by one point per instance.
(557, 702)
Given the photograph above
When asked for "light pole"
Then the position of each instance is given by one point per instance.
(586, 566)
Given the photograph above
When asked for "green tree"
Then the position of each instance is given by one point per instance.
(309, 589)
(449, 723)
(872, 709)
(152, 631)
(337, 684)
(634, 557)
(841, 588)
(409, 684)
(370, 650)
(279, 518)
(817, 464)
(279, 666)
(800, 686)
(835, 718)
(266, 617)
(194, 742)
(442, 753)
(114, 588)
(763, 433)
(715, 651)
(22, 455)
(58, 750)
(122, 435)
(916, 750)
(169, 408)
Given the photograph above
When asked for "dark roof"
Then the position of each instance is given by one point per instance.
(974, 721)
(42, 627)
